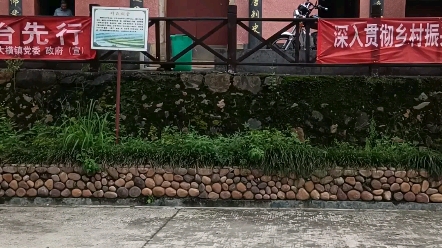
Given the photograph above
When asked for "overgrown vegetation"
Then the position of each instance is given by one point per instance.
(103, 67)
(328, 108)
(13, 66)
(150, 199)
(88, 139)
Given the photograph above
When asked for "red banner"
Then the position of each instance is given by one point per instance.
(366, 41)
(46, 38)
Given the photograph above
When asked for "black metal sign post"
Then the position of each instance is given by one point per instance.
(376, 3)
(255, 11)
(136, 3)
(15, 7)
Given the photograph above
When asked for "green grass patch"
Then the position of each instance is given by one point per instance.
(88, 139)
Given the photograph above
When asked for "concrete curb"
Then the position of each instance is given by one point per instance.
(191, 202)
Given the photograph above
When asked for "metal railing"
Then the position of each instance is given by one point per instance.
(231, 61)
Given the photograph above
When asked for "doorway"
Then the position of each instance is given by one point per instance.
(200, 8)
(340, 8)
(423, 8)
(48, 7)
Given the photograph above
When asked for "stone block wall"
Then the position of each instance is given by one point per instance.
(375, 184)
(325, 108)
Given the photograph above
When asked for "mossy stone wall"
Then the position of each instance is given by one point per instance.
(321, 109)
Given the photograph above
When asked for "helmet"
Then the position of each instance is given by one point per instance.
(305, 8)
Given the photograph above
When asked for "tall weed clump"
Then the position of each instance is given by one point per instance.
(86, 132)
(10, 139)
(85, 136)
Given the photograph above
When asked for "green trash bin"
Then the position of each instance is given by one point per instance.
(179, 43)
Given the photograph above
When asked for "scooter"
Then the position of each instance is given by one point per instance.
(287, 39)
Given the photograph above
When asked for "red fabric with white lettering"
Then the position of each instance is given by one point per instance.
(381, 40)
(46, 38)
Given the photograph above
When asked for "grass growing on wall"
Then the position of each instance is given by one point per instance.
(89, 139)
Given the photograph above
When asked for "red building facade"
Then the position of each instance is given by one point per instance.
(218, 8)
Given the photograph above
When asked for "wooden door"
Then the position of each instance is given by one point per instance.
(212, 8)
(200, 8)
(182, 8)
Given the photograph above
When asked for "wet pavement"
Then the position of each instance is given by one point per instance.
(156, 227)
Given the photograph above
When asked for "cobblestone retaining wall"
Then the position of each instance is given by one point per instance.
(380, 184)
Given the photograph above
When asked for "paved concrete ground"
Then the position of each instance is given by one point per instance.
(190, 227)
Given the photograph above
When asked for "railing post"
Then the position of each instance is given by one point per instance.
(376, 14)
(158, 41)
(232, 16)
(167, 67)
(94, 64)
(307, 41)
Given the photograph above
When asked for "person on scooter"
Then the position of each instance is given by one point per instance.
(287, 41)
(305, 8)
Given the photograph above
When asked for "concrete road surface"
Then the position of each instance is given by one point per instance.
(191, 227)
